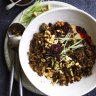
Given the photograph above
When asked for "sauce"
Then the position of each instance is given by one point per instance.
(23, 1)
(16, 29)
(84, 34)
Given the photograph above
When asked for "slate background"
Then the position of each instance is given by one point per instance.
(6, 17)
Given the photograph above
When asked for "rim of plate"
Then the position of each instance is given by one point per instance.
(59, 3)
(26, 71)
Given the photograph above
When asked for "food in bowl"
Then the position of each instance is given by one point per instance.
(62, 52)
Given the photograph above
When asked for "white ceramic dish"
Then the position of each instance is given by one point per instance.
(8, 53)
(73, 16)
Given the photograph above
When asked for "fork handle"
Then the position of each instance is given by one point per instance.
(20, 87)
(19, 75)
(11, 80)
(12, 73)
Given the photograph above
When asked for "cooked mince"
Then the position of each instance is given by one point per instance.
(62, 52)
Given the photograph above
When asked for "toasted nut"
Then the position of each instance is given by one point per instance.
(59, 23)
(43, 60)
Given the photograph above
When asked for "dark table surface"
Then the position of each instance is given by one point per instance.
(6, 17)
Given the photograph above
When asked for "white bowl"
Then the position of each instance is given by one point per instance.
(73, 16)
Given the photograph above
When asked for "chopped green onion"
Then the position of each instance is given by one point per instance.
(33, 11)
(52, 62)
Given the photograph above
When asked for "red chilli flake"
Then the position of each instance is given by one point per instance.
(84, 34)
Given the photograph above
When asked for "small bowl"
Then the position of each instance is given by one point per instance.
(23, 4)
(73, 16)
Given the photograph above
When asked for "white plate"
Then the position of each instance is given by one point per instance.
(7, 52)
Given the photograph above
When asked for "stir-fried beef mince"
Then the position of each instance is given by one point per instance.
(60, 55)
